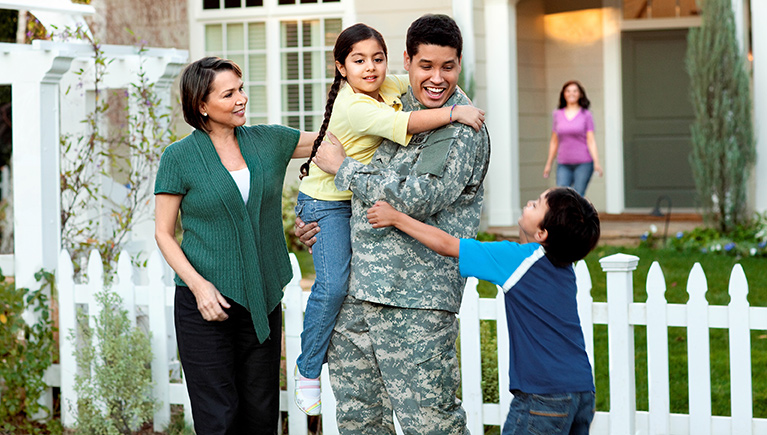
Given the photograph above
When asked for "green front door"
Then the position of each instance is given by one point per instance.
(656, 118)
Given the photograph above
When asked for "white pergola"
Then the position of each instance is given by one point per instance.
(40, 75)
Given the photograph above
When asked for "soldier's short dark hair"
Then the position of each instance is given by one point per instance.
(433, 29)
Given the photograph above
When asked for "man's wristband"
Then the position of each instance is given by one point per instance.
(451, 113)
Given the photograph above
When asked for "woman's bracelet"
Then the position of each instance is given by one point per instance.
(451, 113)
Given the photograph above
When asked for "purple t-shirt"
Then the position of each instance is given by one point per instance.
(571, 133)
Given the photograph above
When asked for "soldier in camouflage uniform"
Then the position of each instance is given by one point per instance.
(394, 343)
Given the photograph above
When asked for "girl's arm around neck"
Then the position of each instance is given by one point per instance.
(384, 215)
(429, 119)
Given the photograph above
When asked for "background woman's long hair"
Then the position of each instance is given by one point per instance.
(583, 101)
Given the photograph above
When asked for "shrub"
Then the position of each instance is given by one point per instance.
(26, 352)
(114, 378)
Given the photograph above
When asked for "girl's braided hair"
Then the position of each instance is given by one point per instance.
(344, 44)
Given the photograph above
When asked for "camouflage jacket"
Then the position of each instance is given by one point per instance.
(437, 179)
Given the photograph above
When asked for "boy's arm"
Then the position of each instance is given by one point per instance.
(429, 119)
(381, 214)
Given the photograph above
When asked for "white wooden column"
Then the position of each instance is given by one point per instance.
(36, 217)
(620, 335)
(37, 220)
(613, 100)
(463, 12)
(502, 203)
(759, 51)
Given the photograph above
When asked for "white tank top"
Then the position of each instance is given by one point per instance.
(242, 179)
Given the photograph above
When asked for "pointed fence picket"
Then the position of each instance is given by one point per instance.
(151, 305)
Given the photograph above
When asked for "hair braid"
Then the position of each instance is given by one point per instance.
(332, 94)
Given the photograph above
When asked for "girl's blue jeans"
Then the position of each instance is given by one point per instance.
(576, 176)
(549, 414)
(332, 255)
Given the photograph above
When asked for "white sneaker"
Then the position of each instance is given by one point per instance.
(307, 394)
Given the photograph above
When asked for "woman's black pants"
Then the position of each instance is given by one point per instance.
(232, 379)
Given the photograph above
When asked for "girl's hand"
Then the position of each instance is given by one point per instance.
(381, 215)
(469, 115)
(211, 302)
(546, 170)
(598, 169)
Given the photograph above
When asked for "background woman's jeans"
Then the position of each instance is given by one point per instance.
(565, 413)
(576, 176)
(332, 255)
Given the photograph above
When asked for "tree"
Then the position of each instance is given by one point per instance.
(723, 146)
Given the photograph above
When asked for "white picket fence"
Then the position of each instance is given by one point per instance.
(153, 302)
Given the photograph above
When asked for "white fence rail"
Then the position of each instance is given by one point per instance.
(620, 313)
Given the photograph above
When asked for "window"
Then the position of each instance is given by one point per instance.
(307, 67)
(287, 61)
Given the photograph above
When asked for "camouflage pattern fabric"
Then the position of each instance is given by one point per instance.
(437, 178)
(394, 358)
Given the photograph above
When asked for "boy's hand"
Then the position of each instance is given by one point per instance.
(469, 115)
(381, 214)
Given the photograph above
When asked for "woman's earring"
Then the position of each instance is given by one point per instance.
(204, 113)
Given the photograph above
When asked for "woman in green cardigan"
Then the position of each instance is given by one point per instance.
(226, 180)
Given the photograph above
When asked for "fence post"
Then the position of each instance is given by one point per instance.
(471, 357)
(158, 325)
(740, 353)
(620, 293)
(65, 285)
(294, 324)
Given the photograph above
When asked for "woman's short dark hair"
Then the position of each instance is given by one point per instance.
(572, 224)
(197, 83)
(433, 29)
(583, 101)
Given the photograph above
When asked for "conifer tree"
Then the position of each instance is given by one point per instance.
(723, 147)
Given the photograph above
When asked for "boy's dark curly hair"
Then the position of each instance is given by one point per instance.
(572, 224)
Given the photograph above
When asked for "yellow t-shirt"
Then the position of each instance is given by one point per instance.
(361, 123)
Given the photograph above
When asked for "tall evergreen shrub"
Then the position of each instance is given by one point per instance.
(723, 148)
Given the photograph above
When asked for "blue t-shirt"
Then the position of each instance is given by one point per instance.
(546, 346)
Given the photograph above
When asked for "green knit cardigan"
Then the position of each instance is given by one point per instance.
(239, 248)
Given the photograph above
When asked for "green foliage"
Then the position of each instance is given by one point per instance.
(114, 380)
(723, 151)
(178, 425)
(747, 239)
(126, 133)
(289, 199)
(26, 352)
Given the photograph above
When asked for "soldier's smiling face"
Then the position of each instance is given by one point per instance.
(433, 72)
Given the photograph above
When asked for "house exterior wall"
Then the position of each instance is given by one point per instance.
(574, 52)
(535, 104)
(392, 18)
(157, 23)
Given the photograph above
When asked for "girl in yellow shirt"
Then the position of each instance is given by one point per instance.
(361, 115)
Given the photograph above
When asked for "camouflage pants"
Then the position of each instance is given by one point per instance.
(384, 358)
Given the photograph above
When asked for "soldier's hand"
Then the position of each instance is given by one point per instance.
(306, 233)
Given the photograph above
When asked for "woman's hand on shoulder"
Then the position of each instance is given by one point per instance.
(211, 302)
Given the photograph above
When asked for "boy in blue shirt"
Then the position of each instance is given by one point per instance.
(549, 370)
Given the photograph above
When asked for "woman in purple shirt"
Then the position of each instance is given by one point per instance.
(572, 140)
